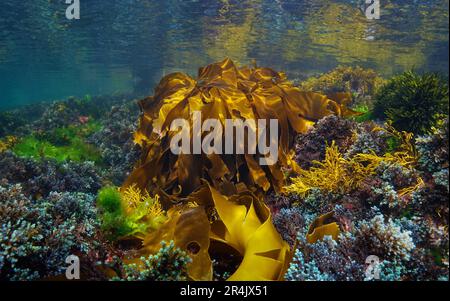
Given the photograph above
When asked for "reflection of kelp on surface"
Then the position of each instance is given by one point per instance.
(221, 92)
(342, 33)
(218, 196)
(234, 37)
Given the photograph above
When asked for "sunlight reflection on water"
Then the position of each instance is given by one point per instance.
(127, 45)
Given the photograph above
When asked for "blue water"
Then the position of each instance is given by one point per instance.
(127, 45)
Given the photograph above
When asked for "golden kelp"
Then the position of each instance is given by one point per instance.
(223, 91)
(189, 228)
(213, 201)
(242, 222)
(321, 227)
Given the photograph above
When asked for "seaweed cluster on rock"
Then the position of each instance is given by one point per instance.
(52, 165)
(75, 146)
(93, 177)
(38, 235)
(398, 212)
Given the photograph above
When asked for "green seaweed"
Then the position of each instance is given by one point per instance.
(392, 143)
(128, 212)
(77, 150)
(109, 199)
(367, 114)
(413, 102)
(114, 220)
(61, 144)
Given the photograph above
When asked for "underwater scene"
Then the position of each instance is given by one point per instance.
(213, 140)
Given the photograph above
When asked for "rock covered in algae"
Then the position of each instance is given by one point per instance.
(219, 196)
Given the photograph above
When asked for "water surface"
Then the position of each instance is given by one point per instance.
(127, 45)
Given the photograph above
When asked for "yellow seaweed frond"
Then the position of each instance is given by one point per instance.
(407, 154)
(290, 162)
(142, 209)
(243, 224)
(321, 227)
(334, 174)
(411, 189)
(341, 175)
(192, 204)
(187, 228)
(7, 142)
(132, 196)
